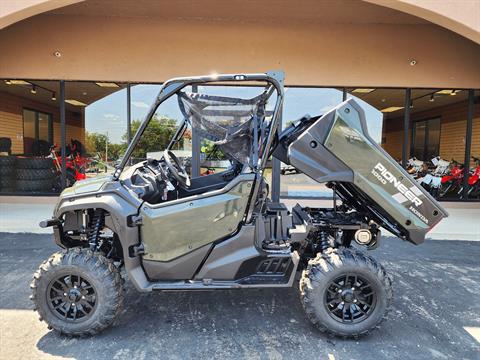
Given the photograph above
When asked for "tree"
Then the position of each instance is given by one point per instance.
(95, 146)
(156, 136)
(95, 143)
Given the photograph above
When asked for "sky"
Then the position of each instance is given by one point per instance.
(109, 115)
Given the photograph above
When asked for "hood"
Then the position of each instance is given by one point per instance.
(87, 186)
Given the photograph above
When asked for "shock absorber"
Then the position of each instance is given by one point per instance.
(323, 243)
(96, 225)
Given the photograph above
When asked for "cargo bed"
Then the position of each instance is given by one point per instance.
(336, 148)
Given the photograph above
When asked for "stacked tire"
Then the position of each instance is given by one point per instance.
(34, 174)
(7, 173)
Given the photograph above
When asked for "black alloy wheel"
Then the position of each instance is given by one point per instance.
(71, 297)
(350, 298)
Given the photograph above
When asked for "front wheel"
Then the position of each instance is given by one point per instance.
(77, 292)
(345, 293)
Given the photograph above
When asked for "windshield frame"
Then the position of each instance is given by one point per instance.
(171, 87)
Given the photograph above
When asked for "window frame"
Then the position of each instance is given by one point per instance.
(37, 125)
(427, 135)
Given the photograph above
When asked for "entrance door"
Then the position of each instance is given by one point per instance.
(426, 139)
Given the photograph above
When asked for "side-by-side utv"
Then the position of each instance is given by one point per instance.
(221, 231)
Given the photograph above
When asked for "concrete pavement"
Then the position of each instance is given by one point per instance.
(435, 314)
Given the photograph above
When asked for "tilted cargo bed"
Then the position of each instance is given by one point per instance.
(337, 148)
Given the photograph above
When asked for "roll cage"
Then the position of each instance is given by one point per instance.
(262, 139)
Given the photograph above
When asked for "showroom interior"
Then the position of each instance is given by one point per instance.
(438, 122)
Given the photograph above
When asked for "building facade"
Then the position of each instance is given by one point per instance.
(93, 66)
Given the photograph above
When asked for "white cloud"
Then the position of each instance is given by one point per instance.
(140, 104)
(111, 116)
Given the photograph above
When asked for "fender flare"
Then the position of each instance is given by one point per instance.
(119, 209)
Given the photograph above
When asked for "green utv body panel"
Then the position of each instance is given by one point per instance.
(337, 147)
(86, 186)
(179, 227)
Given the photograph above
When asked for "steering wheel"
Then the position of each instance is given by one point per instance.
(176, 168)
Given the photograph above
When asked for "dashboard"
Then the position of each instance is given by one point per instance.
(152, 181)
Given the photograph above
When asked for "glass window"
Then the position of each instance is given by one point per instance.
(29, 113)
(96, 126)
(299, 102)
(474, 179)
(426, 139)
(439, 125)
(36, 126)
(419, 139)
(29, 120)
(374, 103)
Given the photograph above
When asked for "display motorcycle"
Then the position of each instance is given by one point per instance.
(75, 165)
(453, 181)
(474, 179)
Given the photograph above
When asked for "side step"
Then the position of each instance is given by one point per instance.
(271, 272)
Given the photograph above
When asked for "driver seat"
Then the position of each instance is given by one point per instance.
(203, 184)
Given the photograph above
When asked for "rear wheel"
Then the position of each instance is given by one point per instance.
(77, 292)
(345, 293)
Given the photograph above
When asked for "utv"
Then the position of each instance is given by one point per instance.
(163, 230)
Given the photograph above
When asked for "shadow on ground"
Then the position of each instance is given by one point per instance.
(436, 286)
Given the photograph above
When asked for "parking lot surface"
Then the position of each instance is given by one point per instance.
(435, 315)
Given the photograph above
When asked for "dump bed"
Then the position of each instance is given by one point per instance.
(337, 148)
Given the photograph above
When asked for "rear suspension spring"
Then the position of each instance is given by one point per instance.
(323, 243)
(96, 225)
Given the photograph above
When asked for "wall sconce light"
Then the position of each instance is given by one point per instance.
(34, 89)
(432, 98)
(411, 104)
(53, 96)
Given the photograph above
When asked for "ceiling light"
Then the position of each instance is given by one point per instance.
(75, 102)
(448, 92)
(33, 90)
(432, 98)
(391, 109)
(53, 96)
(362, 91)
(107, 84)
(17, 82)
